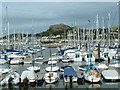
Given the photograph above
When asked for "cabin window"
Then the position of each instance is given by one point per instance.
(89, 55)
(71, 52)
(77, 55)
(105, 54)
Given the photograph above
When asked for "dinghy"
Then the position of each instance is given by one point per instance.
(51, 77)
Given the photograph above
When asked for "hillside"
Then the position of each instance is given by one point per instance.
(55, 30)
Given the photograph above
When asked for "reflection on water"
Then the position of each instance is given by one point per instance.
(60, 83)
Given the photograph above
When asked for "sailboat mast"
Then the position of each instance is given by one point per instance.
(78, 35)
(27, 39)
(74, 35)
(89, 33)
(7, 28)
(89, 42)
(32, 33)
(83, 36)
(119, 22)
(109, 29)
(97, 29)
(8, 36)
(103, 32)
(92, 34)
(14, 40)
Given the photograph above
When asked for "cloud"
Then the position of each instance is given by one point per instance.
(44, 14)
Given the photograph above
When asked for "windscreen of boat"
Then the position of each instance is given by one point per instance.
(89, 55)
(71, 52)
(77, 55)
(105, 54)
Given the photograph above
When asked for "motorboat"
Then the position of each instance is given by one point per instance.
(12, 78)
(70, 74)
(78, 56)
(30, 75)
(89, 56)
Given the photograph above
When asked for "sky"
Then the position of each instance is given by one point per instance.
(35, 17)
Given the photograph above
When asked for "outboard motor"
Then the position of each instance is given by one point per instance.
(26, 81)
(10, 81)
(70, 81)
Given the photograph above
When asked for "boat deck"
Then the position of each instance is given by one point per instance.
(69, 71)
(110, 75)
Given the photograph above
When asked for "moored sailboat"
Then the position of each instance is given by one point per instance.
(92, 74)
(51, 77)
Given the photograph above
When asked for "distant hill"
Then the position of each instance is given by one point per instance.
(59, 27)
(55, 30)
(114, 28)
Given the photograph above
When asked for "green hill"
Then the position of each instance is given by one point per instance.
(55, 30)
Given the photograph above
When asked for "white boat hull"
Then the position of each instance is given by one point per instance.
(92, 79)
(2, 61)
(34, 68)
(30, 75)
(110, 75)
(19, 61)
(67, 80)
(52, 69)
(87, 59)
(15, 81)
(51, 77)
(5, 70)
(52, 62)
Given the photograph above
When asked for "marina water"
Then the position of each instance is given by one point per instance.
(60, 84)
